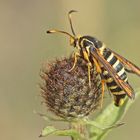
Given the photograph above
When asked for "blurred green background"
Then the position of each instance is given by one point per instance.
(24, 47)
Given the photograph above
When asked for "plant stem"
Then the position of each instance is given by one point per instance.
(81, 128)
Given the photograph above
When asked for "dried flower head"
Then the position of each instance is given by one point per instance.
(67, 94)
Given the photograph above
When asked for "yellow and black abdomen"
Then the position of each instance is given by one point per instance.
(117, 92)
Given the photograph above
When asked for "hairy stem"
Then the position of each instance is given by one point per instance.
(81, 128)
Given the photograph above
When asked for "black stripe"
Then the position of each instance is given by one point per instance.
(118, 98)
(113, 83)
(106, 76)
(118, 67)
(106, 54)
(123, 76)
(113, 60)
(117, 89)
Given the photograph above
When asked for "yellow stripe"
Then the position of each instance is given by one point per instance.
(109, 80)
(113, 87)
(87, 48)
(121, 72)
(86, 57)
(126, 79)
(105, 72)
(116, 63)
(110, 57)
(102, 48)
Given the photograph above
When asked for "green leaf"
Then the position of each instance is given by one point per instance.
(50, 130)
(109, 119)
(47, 131)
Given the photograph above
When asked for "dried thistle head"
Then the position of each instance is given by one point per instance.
(67, 94)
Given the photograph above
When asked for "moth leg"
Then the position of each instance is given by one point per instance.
(103, 91)
(98, 68)
(103, 81)
(89, 76)
(76, 55)
(86, 57)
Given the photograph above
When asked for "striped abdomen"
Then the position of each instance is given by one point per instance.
(118, 93)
